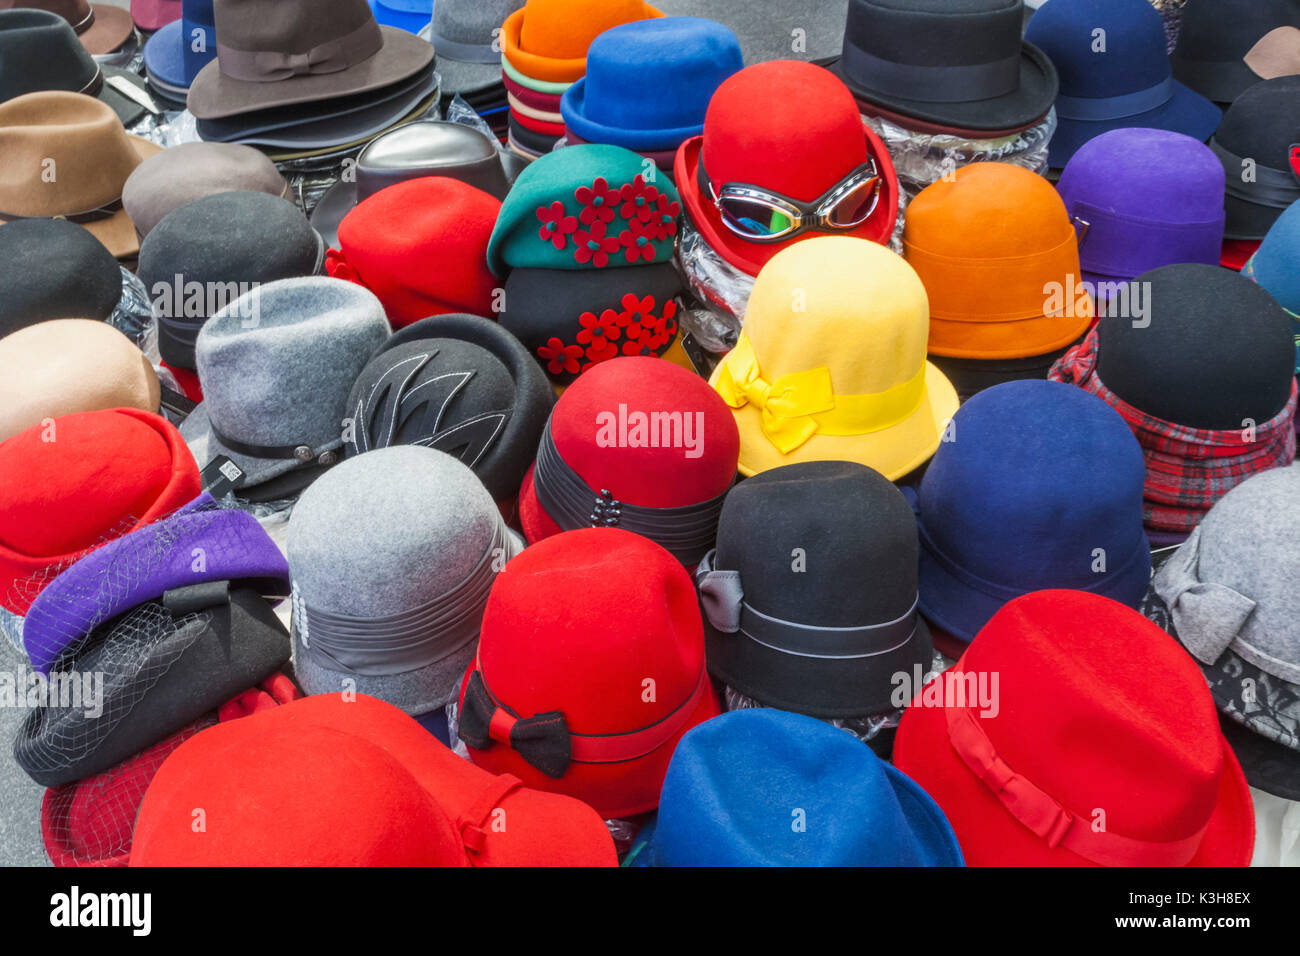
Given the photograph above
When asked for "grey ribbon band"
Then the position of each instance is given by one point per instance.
(424, 635)
(723, 599)
(686, 532)
(262, 66)
(933, 84)
(1272, 187)
(1115, 107)
(465, 52)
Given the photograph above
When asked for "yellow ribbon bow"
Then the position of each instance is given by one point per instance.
(787, 404)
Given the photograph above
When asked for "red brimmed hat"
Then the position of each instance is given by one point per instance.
(329, 781)
(653, 435)
(790, 128)
(590, 669)
(1074, 732)
(71, 485)
(421, 247)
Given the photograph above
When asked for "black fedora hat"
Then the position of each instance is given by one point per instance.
(810, 597)
(461, 384)
(1258, 143)
(40, 51)
(54, 269)
(1226, 46)
(953, 63)
(433, 148)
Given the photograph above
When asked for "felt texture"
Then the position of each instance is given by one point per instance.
(1135, 58)
(1014, 502)
(39, 50)
(153, 14)
(234, 241)
(177, 52)
(1134, 732)
(191, 171)
(1215, 37)
(537, 125)
(420, 246)
(55, 270)
(109, 29)
(1219, 350)
(462, 35)
(1273, 265)
(613, 103)
(534, 99)
(538, 143)
(71, 365)
(987, 244)
(1262, 124)
(403, 16)
(324, 330)
(733, 780)
(971, 376)
(747, 139)
(548, 39)
(388, 794)
(769, 37)
(629, 615)
(122, 468)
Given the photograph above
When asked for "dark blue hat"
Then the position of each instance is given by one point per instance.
(649, 82)
(175, 54)
(1112, 59)
(409, 15)
(1035, 485)
(763, 787)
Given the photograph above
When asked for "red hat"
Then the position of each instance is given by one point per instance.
(75, 482)
(1075, 732)
(329, 781)
(590, 668)
(421, 247)
(655, 436)
(788, 127)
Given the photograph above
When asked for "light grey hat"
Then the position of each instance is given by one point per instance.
(276, 366)
(392, 555)
(1231, 595)
(791, 30)
(465, 39)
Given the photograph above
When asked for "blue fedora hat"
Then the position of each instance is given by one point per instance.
(409, 15)
(175, 54)
(1112, 60)
(1036, 485)
(762, 787)
(649, 82)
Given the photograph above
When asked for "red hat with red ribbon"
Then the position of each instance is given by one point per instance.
(1074, 732)
(590, 669)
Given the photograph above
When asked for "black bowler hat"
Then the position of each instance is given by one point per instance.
(228, 243)
(1258, 143)
(458, 383)
(54, 269)
(810, 597)
(40, 51)
(953, 63)
(1226, 46)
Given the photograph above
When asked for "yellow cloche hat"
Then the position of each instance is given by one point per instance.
(830, 363)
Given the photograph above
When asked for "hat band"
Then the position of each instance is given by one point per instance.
(333, 56)
(86, 23)
(1095, 109)
(933, 84)
(90, 215)
(722, 596)
(1271, 187)
(1112, 243)
(687, 532)
(1043, 815)
(409, 640)
(484, 53)
(302, 453)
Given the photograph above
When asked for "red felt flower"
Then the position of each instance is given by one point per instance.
(665, 217)
(639, 199)
(594, 246)
(598, 202)
(560, 357)
(601, 351)
(596, 328)
(556, 226)
(638, 241)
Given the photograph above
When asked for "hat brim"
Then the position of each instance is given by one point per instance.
(971, 376)
(1247, 220)
(112, 27)
(545, 68)
(990, 836)
(163, 57)
(573, 107)
(127, 109)
(341, 150)
(1267, 764)
(117, 232)
(467, 79)
(205, 447)
(1022, 107)
(213, 95)
(750, 257)
(893, 451)
(1186, 112)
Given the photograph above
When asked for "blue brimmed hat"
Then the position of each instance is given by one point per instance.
(174, 55)
(409, 15)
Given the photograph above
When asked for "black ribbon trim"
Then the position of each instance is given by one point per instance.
(1272, 187)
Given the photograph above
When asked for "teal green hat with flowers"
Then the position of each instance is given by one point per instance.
(586, 207)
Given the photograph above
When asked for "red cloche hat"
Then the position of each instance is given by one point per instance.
(329, 781)
(608, 429)
(421, 247)
(78, 481)
(590, 669)
(789, 127)
(1075, 732)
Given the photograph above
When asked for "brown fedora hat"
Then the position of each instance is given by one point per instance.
(288, 52)
(100, 28)
(67, 155)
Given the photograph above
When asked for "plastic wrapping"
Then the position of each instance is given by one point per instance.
(133, 315)
(129, 56)
(720, 288)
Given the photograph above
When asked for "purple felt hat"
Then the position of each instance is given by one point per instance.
(1143, 198)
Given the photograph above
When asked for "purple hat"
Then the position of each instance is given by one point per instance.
(1143, 198)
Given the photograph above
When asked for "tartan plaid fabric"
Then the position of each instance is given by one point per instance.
(1188, 469)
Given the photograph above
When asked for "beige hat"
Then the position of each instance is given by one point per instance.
(70, 365)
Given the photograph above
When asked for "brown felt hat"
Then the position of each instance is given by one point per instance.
(100, 28)
(290, 52)
(66, 155)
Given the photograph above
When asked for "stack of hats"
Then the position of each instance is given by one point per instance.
(1227, 46)
(466, 34)
(544, 48)
(174, 55)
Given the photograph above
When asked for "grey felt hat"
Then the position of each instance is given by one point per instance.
(396, 609)
(276, 366)
(791, 30)
(464, 34)
(1231, 595)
